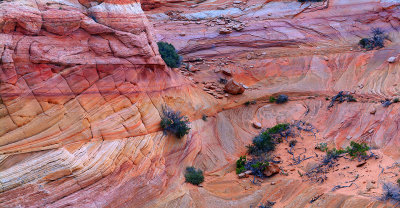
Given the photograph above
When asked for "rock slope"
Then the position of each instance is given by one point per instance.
(82, 86)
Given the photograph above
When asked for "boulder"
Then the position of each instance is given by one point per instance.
(271, 170)
(392, 59)
(257, 125)
(225, 30)
(234, 87)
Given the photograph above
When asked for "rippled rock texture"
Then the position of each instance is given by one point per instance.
(82, 88)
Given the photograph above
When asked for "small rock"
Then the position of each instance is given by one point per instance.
(273, 183)
(245, 87)
(257, 125)
(326, 58)
(182, 33)
(237, 2)
(227, 72)
(234, 88)
(360, 86)
(248, 57)
(225, 30)
(217, 70)
(248, 172)
(392, 59)
(371, 131)
(348, 137)
(373, 111)
(226, 95)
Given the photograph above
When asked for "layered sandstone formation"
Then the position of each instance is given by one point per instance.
(82, 87)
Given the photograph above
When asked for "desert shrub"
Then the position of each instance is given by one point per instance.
(282, 99)
(204, 118)
(247, 103)
(341, 97)
(376, 41)
(266, 141)
(272, 99)
(223, 80)
(357, 150)
(169, 55)
(268, 204)
(322, 146)
(257, 166)
(173, 122)
(194, 176)
(240, 164)
(396, 100)
(391, 192)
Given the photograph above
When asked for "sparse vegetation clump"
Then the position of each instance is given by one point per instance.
(247, 103)
(357, 150)
(282, 99)
(257, 166)
(391, 192)
(376, 41)
(396, 100)
(322, 146)
(272, 99)
(194, 176)
(169, 55)
(240, 164)
(173, 122)
(266, 141)
(204, 118)
(341, 97)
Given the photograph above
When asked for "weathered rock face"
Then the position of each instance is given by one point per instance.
(81, 87)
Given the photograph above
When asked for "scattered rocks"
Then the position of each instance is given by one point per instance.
(392, 59)
(233, 87)
(257, 125)
(271, 169)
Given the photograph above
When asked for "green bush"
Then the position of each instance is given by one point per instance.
(194, 176)
(169, 55)
(272, 99)
(240, 164)
(266, 141)
(376, 41)
(357, 150)
(173, 122)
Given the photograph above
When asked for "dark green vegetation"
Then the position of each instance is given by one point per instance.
(240, 164)
(173, 122)
(169, 55)
(396, 100)
(194, 176)
(329, 161)
(257, 166)
(357, 150)
(204, 117)
(272, 99)
(266, 141)
(375, 42)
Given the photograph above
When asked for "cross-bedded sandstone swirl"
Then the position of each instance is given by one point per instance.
(82, 85)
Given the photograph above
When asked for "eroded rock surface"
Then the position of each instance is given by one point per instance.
(82, 85)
